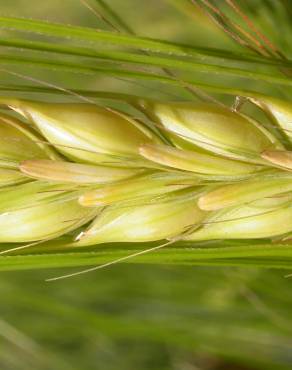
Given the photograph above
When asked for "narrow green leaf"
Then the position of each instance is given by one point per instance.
(202, 68)
(95, 37)
(250, 254)
(145, 59)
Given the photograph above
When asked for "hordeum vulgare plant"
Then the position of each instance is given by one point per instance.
(151, 137)
(96, 175)
(183, 147)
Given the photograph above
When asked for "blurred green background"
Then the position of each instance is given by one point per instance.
(134, 316)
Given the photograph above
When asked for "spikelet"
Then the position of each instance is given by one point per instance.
(199, 163)
(279, 158)
(214, 128)
(279, 110)
(245, 192)
(86, 132)
(19, 143)
(39, 211)
(137, 189)
(10, 177)
(144, 223)
(61, 171)
(264, 218)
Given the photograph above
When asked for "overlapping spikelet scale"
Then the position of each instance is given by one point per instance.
(101, 176)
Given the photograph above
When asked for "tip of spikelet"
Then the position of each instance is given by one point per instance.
(279, 158)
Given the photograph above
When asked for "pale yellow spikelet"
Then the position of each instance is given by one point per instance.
(246, 191)
(260, 219)
(11, 177)
(61, 171)
(138, 189)
(143, 223)
(199, 163)
(280, 158)
(214, 128)
(18, 142)
(279, 110)
(38, 211)
(86, 132)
